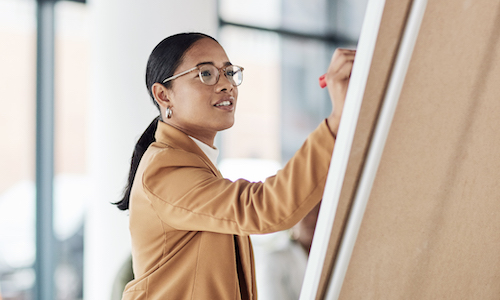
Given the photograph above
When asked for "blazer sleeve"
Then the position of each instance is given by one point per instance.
(186, 194)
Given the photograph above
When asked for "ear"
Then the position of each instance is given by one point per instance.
(161, 95)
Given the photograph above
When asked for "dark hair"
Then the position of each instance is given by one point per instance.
(162, 63)
(167, 56)
(142, 145)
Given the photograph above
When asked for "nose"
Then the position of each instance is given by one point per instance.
(223, 84)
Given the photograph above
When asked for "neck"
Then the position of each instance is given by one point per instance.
(204, 138)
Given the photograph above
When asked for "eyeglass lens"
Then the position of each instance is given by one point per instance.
(209, 74)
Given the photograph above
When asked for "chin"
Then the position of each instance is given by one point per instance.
(227, 125)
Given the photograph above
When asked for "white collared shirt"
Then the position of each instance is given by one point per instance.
(211, 153)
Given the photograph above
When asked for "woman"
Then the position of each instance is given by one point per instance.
(190, 227)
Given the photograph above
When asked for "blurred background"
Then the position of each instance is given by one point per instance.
(73, 103)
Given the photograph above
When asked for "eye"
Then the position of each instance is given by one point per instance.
(232, 71)
(205, 73)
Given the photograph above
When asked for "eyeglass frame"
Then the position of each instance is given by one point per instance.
(199, 74)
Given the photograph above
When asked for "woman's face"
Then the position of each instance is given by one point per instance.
(202, 110)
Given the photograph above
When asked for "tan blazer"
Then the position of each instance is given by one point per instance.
(190, 227)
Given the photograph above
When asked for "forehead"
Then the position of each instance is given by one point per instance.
(205, 50)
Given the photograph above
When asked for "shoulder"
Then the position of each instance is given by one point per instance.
(165, 169)
(163, 155)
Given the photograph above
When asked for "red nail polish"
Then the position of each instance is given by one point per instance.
(322, 81)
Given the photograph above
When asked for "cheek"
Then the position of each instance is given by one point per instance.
(188, 99)
(197, 105)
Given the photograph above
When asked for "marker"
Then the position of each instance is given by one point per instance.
(322, 81)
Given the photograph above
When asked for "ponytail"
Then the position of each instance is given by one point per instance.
(142, 145)
(162, 63)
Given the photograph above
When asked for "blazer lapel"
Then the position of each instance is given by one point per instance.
(177, 139)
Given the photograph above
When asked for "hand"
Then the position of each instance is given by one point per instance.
(337, 78)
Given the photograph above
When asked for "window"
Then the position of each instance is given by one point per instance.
(17, 154)
(284, 46)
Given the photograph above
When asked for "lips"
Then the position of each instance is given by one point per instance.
(226, 103)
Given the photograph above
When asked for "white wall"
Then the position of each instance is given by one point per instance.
(123, 35)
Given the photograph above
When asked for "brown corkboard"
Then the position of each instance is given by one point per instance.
(391, 28)
(431, 229)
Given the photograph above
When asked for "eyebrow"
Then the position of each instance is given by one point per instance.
(212, 63)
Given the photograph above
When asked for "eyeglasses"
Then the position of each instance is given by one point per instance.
(209, 74)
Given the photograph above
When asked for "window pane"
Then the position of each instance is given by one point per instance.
(346, 18)
(255, 134)
(17, 126)
(280, 101)
(310, 17)
(252, 12)
(305, 16)
(70, 182)
(17, 153)
(304, 103)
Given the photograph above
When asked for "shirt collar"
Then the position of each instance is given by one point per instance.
(211, 153)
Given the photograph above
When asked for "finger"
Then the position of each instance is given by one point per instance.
(340, 58)
(336, 69)
(343, 73)
(339, 70)
(339, 52)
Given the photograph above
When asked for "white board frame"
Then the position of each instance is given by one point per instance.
(340, 157)
(377, 145)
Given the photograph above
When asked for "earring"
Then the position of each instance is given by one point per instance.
(169, 113)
